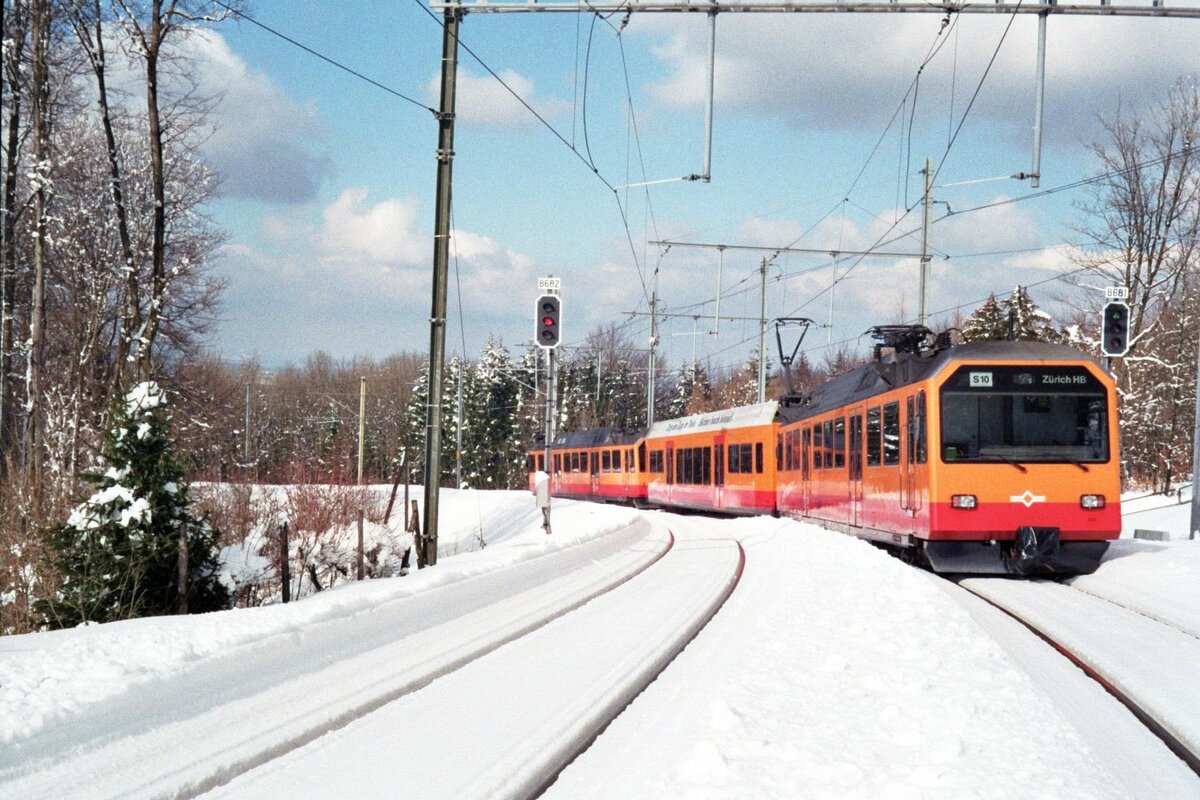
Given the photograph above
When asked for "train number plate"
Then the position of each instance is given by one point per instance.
(981, 380)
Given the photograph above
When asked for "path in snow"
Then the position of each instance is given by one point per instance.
(229, 714)
(503, 725)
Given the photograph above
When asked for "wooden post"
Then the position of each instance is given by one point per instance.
(284, 571)
(360, 545)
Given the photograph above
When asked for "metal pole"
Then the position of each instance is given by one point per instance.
(246, 447)
(441, 258)
(653, 343)
(1194, 525)
(926, 202)
(362, 429)
(762, 336)
(362, 424)
(1035, 172)
(832, 289)
(720, 267)
(708, 106)
(458, 433)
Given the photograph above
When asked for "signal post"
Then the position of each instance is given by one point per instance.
(547, 335)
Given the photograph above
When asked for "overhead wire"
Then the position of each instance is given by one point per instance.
(243, 15)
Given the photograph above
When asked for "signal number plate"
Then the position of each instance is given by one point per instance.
(981, 380)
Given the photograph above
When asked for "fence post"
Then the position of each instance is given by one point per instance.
(284, 572)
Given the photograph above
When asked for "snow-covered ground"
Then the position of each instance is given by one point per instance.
(832, 671)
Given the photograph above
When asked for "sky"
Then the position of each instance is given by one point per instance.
(819, 137)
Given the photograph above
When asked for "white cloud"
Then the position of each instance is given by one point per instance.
(482, 101)
(849, 71)
(257, 138)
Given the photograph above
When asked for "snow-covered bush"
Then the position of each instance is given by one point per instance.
(121, 551)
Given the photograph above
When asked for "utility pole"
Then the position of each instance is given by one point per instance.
(1189, 138)
(832, 289)
(653, 346)
(441, 259)
(362, 430)
(246, 445)
(762, 335)
(926, 205)
(458, 433)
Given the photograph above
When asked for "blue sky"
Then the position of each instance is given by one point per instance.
(329, 181)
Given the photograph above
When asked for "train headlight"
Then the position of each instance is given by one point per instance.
(1092, 501)
(963, 501)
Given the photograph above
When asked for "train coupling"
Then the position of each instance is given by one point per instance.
(1032, 551)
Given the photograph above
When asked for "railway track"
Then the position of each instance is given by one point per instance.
(1142, 661)
(509, 722)
(331, 675)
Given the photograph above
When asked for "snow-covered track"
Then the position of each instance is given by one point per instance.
(261, 701)
(1139, 660)
(509, 722)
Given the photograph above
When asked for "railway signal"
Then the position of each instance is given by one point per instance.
(549, 312)
(1115, 329)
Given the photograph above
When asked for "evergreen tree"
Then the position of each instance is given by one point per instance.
(693, 392)
(121, 550)
(987, 324)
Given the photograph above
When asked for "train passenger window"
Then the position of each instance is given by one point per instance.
(682, 465)
(529, 463)
(922, 427)
(641, 457)
(891, 433)
(616, 460)
(779, 452)
(839, 442)
(557, 463)
(818, 447)
(758, 457)
(606, 462)
(828, 444)
(706, 457)
(806, 448)
(629, 461)
(735, 460)
(541, 461)
(874, 452)
(911, 422)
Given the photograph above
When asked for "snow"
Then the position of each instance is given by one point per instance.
(832, 671)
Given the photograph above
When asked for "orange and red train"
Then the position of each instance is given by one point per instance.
(992, 457)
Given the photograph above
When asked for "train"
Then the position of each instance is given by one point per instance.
(983, 458)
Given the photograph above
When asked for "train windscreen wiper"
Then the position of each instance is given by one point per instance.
(1006, 460)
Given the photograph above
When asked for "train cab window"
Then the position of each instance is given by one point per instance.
(779, 453)
(758, 457)
(921, 429)
(874, 430)
(891, 434)
(839, 442)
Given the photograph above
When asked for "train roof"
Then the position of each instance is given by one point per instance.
(739, 417)
(594, 437)
(892, 372)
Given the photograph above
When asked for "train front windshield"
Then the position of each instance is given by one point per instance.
(1018, 414)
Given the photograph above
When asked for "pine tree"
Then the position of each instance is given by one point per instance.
(1025, 321)
(987, 324)
(120, 551)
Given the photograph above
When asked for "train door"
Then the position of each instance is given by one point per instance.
(908, 464)
(719, 471)
(595, 473)
(855, 465)
(806, 469)
(670, 471)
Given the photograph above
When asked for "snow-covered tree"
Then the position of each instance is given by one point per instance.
(135, 547)
(987, 324)
(1017, 318)
(693, 392)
